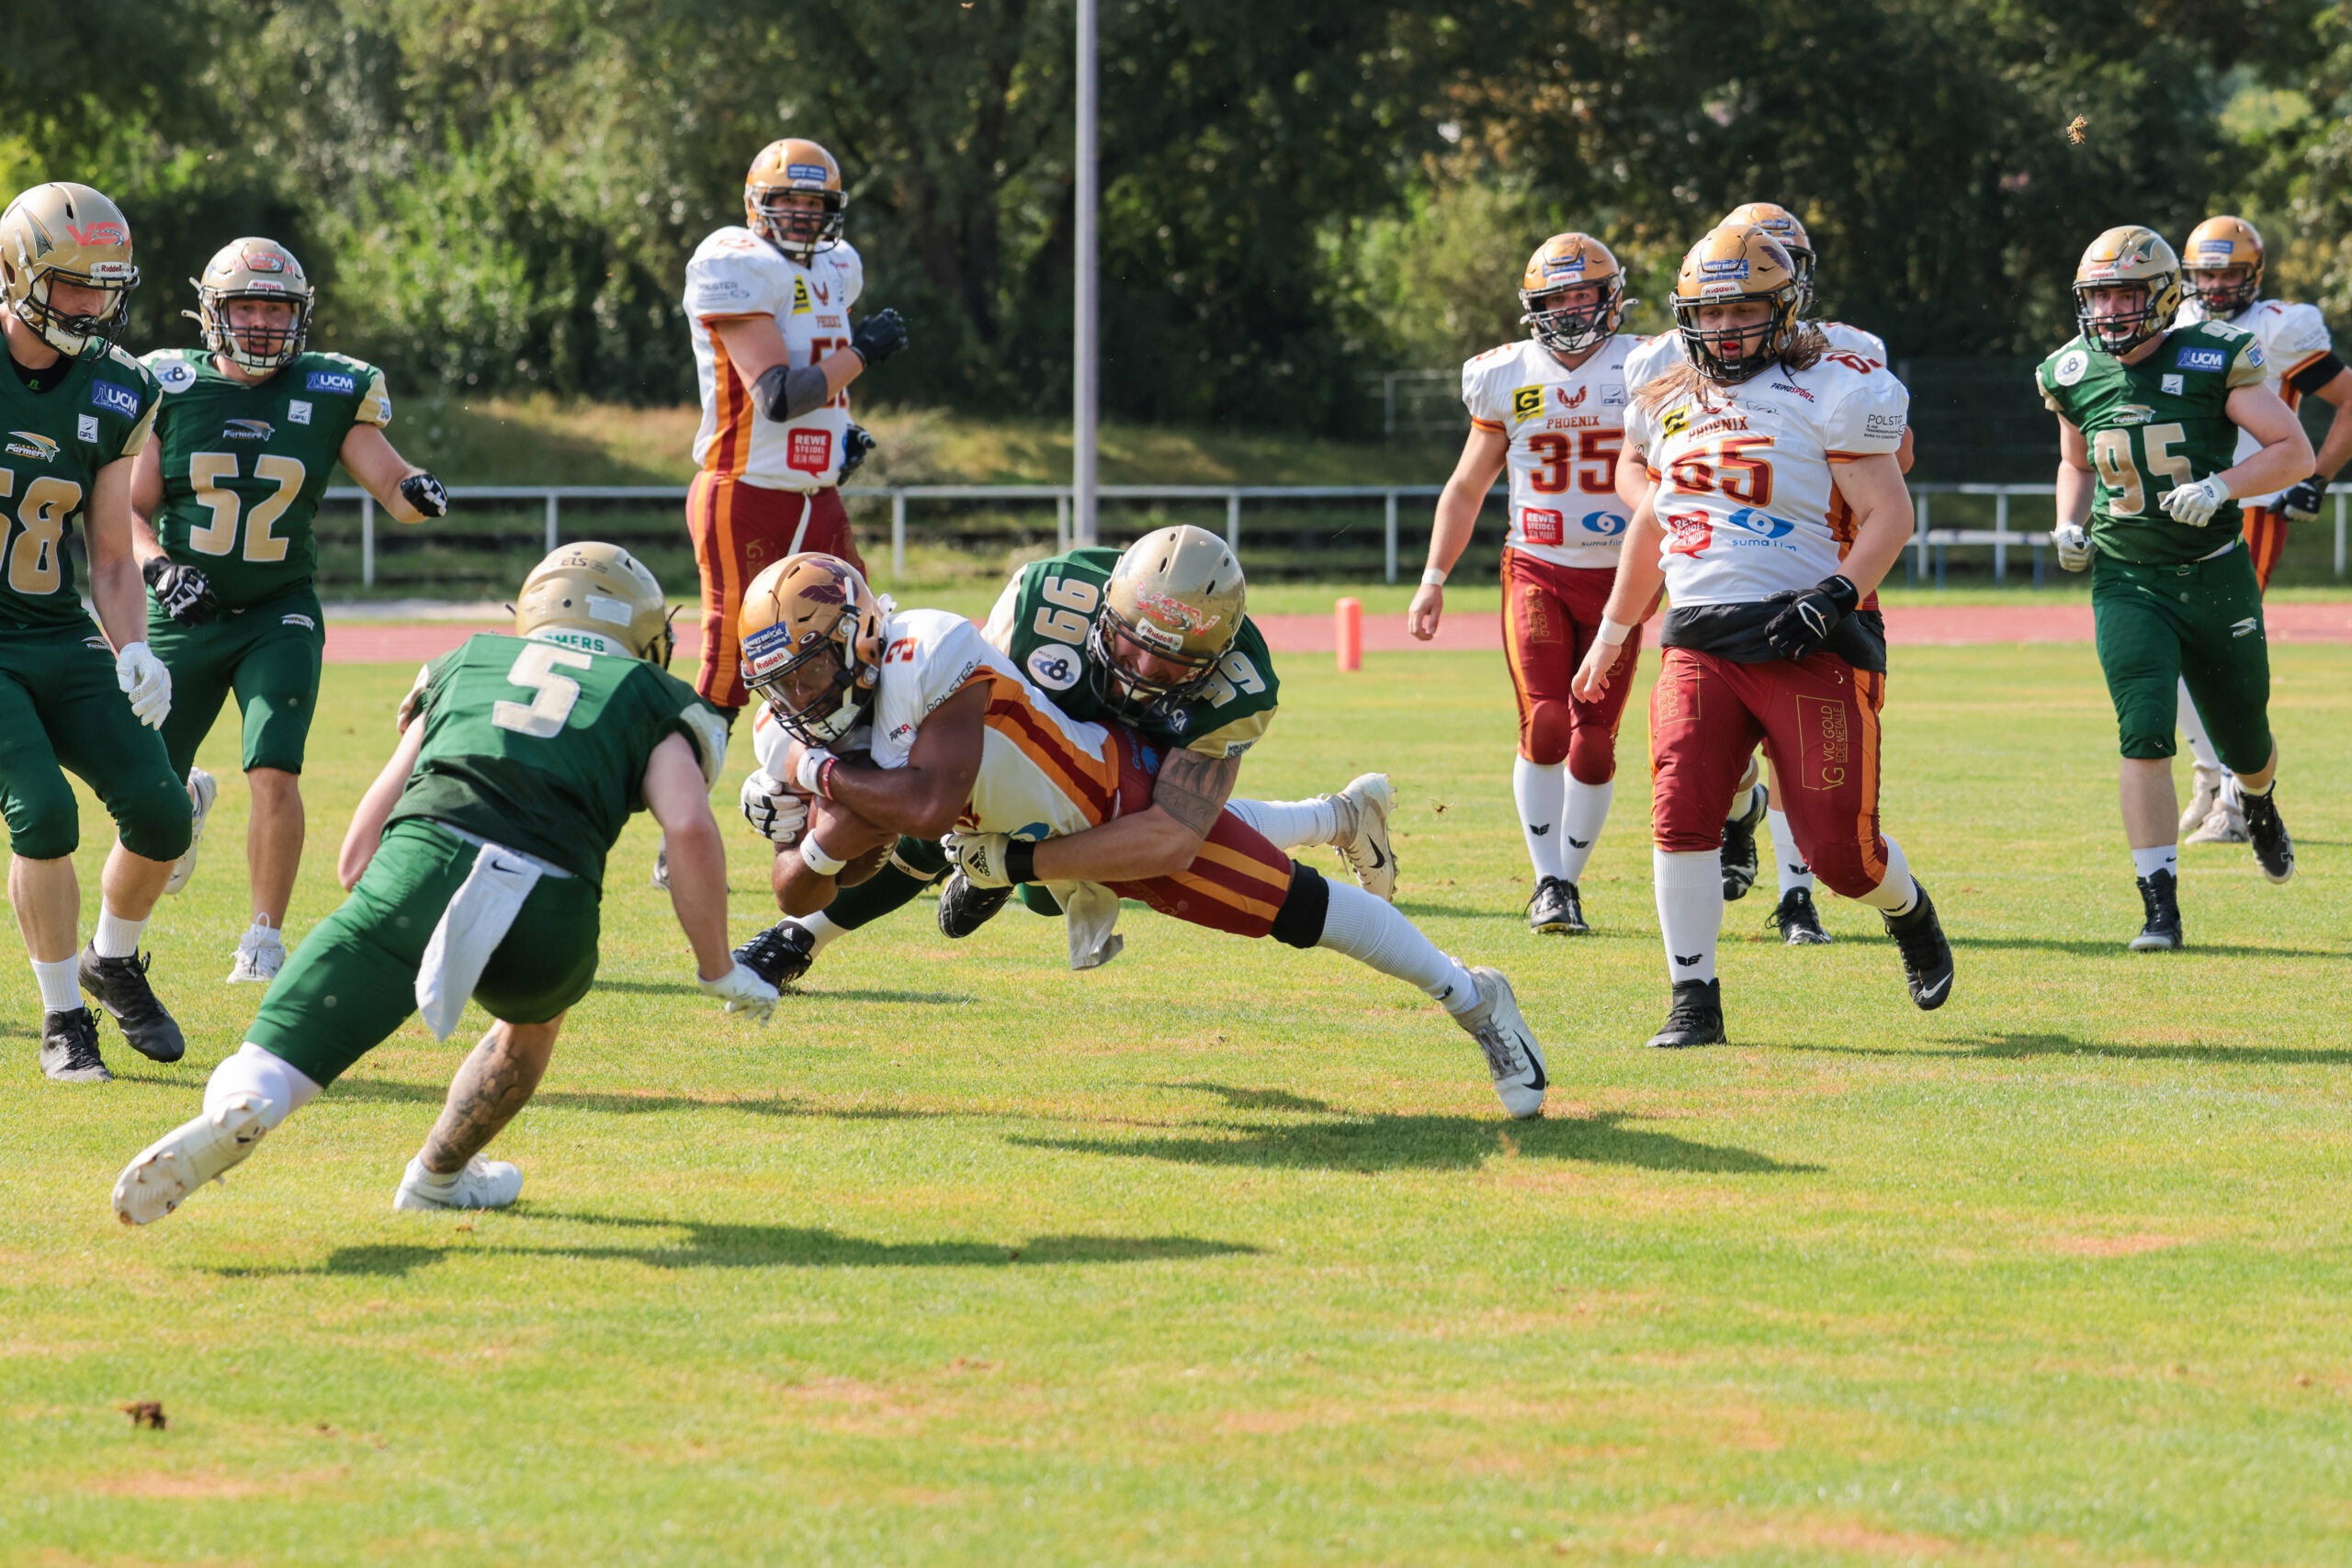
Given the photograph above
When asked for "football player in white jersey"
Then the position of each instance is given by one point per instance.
(1551, 408)
(2224, 263)
(1795, 918)
(958, 739)
(1749, 446)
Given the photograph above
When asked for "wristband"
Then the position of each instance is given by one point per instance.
(1613, 633)
(1434, 577)
(813, 856)
(1020, 862)
(825, 777)
(809, 770)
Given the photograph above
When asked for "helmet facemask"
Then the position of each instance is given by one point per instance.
(1572, 328)
(1706, 345)
(2223, 297)
(257, 348)
(798, 229)
(2122, 332)
(838, 687)
(78, 336)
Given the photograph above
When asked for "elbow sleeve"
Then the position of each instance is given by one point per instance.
(787, 393)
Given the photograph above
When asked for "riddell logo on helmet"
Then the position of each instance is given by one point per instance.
(1176, 612)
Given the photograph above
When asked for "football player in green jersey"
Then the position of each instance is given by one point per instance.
(74, 413)
(475, 864)
(2148, 420)
(250, 432)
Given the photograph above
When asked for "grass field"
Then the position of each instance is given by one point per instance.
(1225, 1254)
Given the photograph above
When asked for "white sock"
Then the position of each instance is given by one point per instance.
(1290, 824)
(1541, 800)
(1899, 890)
(284, 1086)
(1794, 871)
(1587, 809)
(820, 929)
(1373, 933)
(1690, 887)
(2192, 726)
(2163, 857)
(116, 937)
(61, 985)
(1753, 780)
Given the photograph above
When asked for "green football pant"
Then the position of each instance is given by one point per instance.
(2202, 623)
(353, 981)
(267, 654)
(61, 708)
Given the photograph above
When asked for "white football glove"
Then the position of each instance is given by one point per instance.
(743, 992)
(780, 815)
(2195, 503)
(981, 857)
(2074, 546)
(142, 677)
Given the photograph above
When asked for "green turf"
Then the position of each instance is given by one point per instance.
(1225, 1254)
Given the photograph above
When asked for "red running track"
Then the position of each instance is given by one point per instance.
(364, 643)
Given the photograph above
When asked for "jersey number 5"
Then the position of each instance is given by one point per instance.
(218, 537)
(553, 694)
(2112, 451)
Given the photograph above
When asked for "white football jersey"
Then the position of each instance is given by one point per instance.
(1747, 490)
(1565, 427)
(2291, 337)
(736, 273)
(1653, 356)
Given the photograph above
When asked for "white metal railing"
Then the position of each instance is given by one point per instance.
(2001, 536)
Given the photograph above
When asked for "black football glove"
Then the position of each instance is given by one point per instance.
(182, 593)
(1799, 631)
(425, 492)
(878, 336)
(2299, 504)
(856, 443)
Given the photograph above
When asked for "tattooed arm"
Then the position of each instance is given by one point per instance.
(1186, 804)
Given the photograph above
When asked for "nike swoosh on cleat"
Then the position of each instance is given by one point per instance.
(1932, 992)
(1541, 1082)
(1378, 860)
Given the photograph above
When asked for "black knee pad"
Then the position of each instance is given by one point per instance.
(1299, 922)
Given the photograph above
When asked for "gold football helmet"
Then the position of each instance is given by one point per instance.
(252, 268)
(1170, 611)
(598, 597)
(2215, 247)
(1562, 263)
(2127, 256)
(63, 233)
(813, 635)
(1783, 225)
(1736, 263)
(795, 165)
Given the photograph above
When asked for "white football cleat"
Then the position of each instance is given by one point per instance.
(176, 1164)
(2202, 797)
(202, 790)
(261, 954)
(484, 1184)
(1363, 840)
(2225, 824)
(1514, 1056)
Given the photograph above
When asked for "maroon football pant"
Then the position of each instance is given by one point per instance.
(1550, 615)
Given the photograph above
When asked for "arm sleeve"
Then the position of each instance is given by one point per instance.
(701, 725)
(1869, 421)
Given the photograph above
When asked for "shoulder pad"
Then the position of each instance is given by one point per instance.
(709, 735)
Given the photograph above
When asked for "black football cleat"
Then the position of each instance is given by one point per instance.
(1739, 847)
(1927, 957)
(1695, 1018)
(2160, 898)
(779, 954)
(964, 908)
(1556, 907)
(2273, 849)
(69, 1048)
(120, 987)
(1797, 921)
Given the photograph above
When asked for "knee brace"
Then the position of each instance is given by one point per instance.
(1299, 922)
(1547, 731)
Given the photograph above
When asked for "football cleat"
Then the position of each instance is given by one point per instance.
(1555, 907)
(1739, 847)
(2160, 901)
(202, 790)
(779, 954)
(1927, 955)
(964, 908)
(261, 954)
(1362, 842)
(1696, 1017)
(2205, 793)
(2225, 824)
(120, 985)
(184, 1159)
(2273, 849)
(661, 868)
(484, 1184)
(1797, 921)
(1514, 1056)
(69, 1048)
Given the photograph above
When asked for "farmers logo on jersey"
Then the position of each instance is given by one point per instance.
(2132, 414)
(1763, 524)
(1055, 666)
(26, 444)
(2071, 367)
(2200, 359)
(121, 399)
(1527, 403)
(331, 381)
(800, 306)
(177, 375)
(1608, 524)
(247, 430)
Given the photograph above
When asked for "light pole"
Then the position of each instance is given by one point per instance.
(1085, 355)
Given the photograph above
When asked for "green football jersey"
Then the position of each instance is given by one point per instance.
(244, 464)
(2152, 427)
(53, 444)
(542, 747)
(1042, 622)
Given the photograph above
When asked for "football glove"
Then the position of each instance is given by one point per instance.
(183, 592)
(2195, 503)
(2297, 503)
(425, 492)
(2073, 545)
(878, 336)
(780, 815)
(981, 857)
(856, 442)
(743, 992)
(1799, 631)
(148, 684)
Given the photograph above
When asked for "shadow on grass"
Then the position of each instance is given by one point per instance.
(2115, 949)
(680, 988)
(384, 1091)
(1254, 1099)
(2018, 1047)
